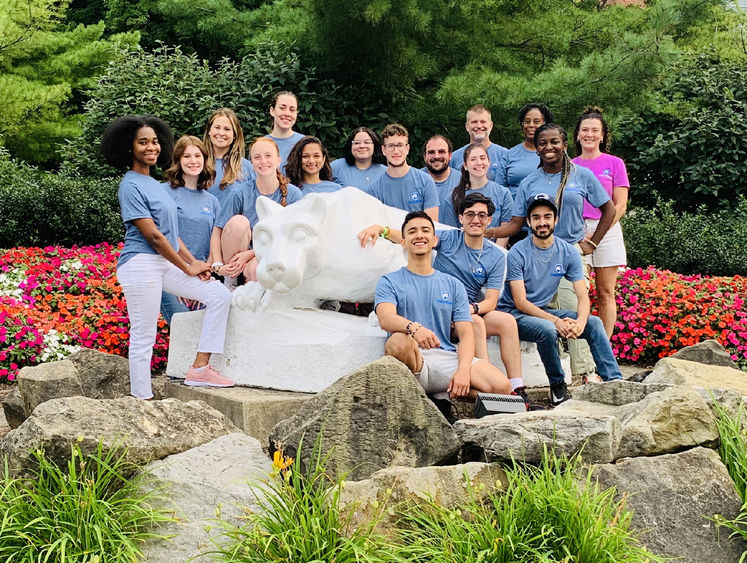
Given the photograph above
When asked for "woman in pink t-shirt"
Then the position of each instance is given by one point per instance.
(592, 140)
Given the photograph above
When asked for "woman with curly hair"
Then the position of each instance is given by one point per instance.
(308, 167)
(154, 258)
(232, 235)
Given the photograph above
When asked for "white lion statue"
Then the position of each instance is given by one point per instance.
(308, 252)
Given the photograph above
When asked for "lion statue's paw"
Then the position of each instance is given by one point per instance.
(248, 297)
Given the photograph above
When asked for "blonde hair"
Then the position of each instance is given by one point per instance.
(232, 160)
(175, 174)
(282, 180)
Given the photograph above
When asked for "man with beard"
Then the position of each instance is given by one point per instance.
(402, 186)
(535, 267)
(437, 158)
(479, 124)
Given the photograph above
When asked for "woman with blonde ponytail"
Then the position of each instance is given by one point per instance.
(570, 186)
(224, 141)
(232, 234)
(592, 140)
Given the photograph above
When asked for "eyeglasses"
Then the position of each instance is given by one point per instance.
(359, 143)
(397, 146)
(471, 215)
(534, 121)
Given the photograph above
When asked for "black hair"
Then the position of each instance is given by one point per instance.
(474, 198)
(543, 109)
(458, 193)
(415, 215)
(117, 140)
(347, 150)
(294, 164)
(439, 136)
(567, 165)
(593, 112)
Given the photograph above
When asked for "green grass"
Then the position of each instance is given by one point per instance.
(554, 512)
(547, 513)
(89, 511)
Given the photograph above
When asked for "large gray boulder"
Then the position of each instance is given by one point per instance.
(450, 486)
(148, 430)
(376, 417)
(616, 393)
(525, 436)
(708, 352)
(213, 480)
(13, 408)
(674, 371)
(87, 373)
(672, 498)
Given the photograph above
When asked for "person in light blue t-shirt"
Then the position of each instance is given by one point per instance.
(232, 234)
(224, 141)
(535, 267)
(284, 112)
(308, 167)
(188, 178)
(402, 186)
(154, 257)
(437, 158)
(362, 161)
(417, 305)
(479, 125)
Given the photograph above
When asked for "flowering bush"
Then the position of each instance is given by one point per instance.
(55, 300)
(660, 312)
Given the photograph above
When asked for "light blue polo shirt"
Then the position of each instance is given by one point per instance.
(415, 191)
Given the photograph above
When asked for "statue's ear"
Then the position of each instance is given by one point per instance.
(318, 208)
(266, 207)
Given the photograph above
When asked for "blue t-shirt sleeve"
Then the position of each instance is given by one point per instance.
(461, 311)
(132, 203)
(575, 271)
(430, 193)
(232, 205)
(294, 194)
(507, 206)
(515, 266)
(497, 276)
(520, 203)
(385, 292)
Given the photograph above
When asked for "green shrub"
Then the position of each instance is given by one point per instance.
(546, 514)
(691, 150)
(41, 208)
(90, 511)
(701, 242)
(183, 90)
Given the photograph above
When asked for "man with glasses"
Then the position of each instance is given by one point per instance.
(437, 158)
(479, 126)
(535, 267)
(479, 265)
(402, 186)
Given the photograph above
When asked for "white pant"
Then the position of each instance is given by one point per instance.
(142, 278)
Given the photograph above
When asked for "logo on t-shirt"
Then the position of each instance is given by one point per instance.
(445, 298)
(606, 173)
(206, 210)
(414, 197)
(478, 272)
(558, 271)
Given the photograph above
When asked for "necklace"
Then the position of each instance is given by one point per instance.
(549, 255)
(477, 261)
(549, 177)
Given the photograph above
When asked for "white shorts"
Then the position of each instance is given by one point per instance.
(439, 366)
(611, 249)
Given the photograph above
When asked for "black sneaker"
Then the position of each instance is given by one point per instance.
(446, 407)
(559, 394)
(531, 405)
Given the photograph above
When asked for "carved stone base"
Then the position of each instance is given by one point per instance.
(292, 350)
(532, 370)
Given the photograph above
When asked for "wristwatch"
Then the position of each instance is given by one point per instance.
(215, 266)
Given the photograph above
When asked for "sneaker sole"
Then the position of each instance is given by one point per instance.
(206, 384)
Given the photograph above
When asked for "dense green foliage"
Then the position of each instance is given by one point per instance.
(43, 66)
(691, 150)
(700, 242)
(183, 90)
(40, 208)
(90, 510)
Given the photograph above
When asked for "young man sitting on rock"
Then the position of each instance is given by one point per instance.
(479, 265)
(535, 267)
(417, 305)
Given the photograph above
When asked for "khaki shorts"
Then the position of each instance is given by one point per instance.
(611, 249)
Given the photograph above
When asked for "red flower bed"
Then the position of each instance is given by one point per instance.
(54, 300)
(660, 312)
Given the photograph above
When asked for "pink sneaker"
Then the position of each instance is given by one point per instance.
(206, 377)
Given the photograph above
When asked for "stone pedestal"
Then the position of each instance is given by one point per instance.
(292, 350)
(532, 370)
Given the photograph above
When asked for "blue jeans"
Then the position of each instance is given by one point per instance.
(544, 333)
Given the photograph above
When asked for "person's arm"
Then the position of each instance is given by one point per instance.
(491, 300)
(459, 384)
(506, 229)
(216, 252)
(390, 321)
(620, 201)
(161, 244)
(584, 307)
(519, 293)
(432, 212)
(605, 222)
(374, 232)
